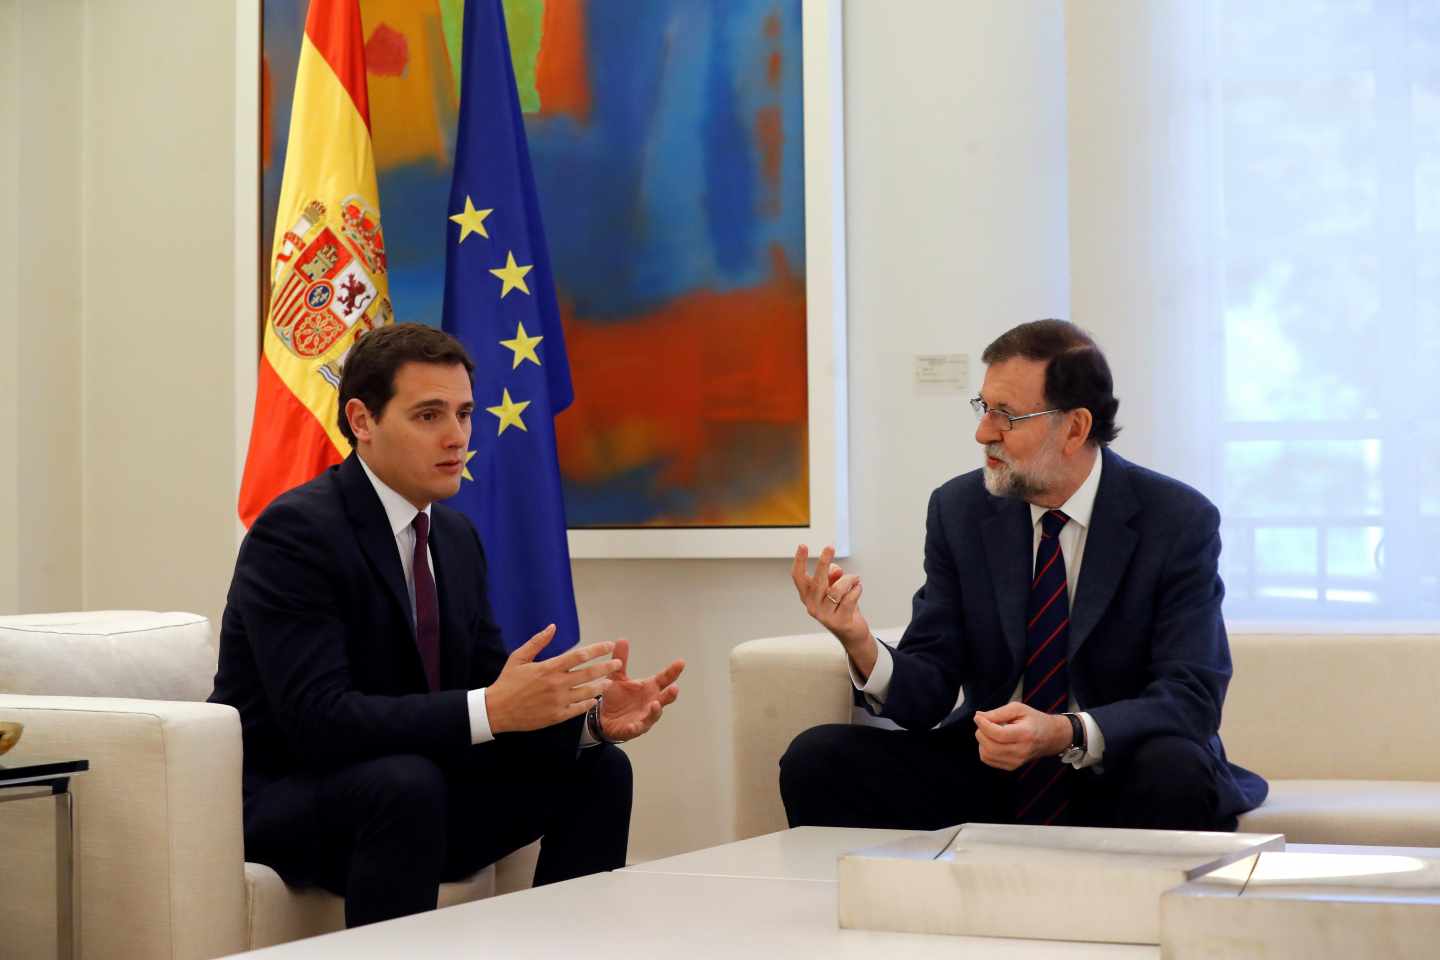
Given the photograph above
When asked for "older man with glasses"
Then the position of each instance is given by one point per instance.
(1089, 702)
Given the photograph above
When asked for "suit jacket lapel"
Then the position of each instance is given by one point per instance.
(1009, 539)
(1108, 545)
(372, 529)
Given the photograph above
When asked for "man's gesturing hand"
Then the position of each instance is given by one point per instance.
(1015, 734)
(632, 706)
(833, 598)
(529, 695)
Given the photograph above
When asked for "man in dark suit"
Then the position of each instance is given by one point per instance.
(1091, 691)
(390, 743)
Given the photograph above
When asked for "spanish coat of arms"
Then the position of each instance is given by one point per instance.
(329, 279)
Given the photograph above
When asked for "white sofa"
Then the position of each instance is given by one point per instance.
(159, 846)
(1346, 727)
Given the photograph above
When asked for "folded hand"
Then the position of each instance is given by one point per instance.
(1014, 734)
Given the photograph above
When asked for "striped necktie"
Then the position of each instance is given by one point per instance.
(1044, 784)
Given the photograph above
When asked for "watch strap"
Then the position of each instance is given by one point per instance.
(1074, 753)
(1077, 730)
(593, 724)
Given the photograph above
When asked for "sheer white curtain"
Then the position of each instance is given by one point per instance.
(1255, 238)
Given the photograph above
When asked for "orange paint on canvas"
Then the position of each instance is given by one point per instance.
(411, 88)
(562, 74)
(788, 503)
(773, 63)
(662, 388)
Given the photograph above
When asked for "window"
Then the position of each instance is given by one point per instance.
(1327, 440)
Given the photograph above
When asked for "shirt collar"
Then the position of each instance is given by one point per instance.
(399, 511)
(1081, 503)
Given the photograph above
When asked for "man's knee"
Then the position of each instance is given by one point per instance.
(816, 764)
(607, 777)
(405, 786)
(1173, 763)
(1171, 782)
(600, 774)
(612, 767)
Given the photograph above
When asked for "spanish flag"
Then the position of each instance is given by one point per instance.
(327, 269)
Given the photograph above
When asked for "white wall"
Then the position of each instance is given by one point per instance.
(957, 229)
(117, 410)
(9, 306)
(43, 544)
(158, 367)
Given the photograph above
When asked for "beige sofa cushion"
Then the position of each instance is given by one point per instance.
(108, 653)
(779, 686)
(1342, 706)
(1394, 812)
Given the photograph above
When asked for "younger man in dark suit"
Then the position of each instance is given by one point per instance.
(390, 743)
(1089, 700)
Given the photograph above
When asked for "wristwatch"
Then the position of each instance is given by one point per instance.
(593, 724)
(1074, 753)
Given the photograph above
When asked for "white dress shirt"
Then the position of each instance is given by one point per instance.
(401, 513)
(1079, 509)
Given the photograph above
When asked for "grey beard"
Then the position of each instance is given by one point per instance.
(1009, 482)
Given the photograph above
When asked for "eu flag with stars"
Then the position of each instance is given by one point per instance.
(500, 302)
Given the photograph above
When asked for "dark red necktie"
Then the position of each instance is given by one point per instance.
(427, 606)
(1044, 786)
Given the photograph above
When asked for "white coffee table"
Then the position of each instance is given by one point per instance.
(770, 896)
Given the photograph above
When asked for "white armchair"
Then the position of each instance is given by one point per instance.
(159, 847)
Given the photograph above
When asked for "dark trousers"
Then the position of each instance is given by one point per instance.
(384, 833)
(841, 775)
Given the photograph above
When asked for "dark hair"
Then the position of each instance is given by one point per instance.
(369, 371)
(1076, 374)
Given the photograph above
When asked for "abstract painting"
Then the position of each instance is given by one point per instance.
(667, 138)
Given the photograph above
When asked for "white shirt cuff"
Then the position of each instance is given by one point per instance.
(1094, 743)
(878, 685)
(479, 717)
(480, 731)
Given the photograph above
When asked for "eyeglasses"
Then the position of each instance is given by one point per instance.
(1000, 420)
